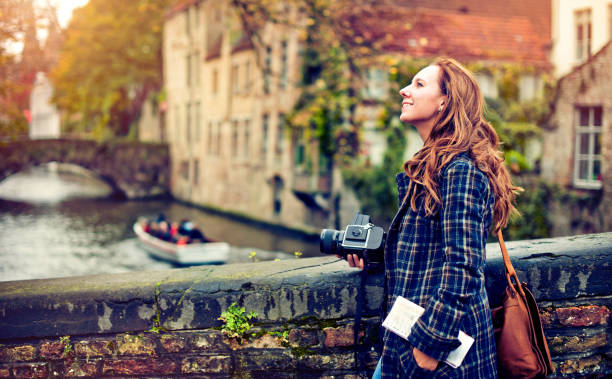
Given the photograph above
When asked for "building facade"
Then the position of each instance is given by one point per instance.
(577, 146)
(579, 29)
(225, 121)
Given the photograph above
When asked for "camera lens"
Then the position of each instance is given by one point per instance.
(328, 243)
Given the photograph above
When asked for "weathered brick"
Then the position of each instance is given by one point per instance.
(5, 372)
(31, 370)
(567, 344)
(213, 364)
(82, 369)
(266, 341)
(586, 315)
(264, 359)
(24, 353)
(52, 350)
(303, 337)
(135, 345)
(547, 316)
(581, 366)
(210, 341)
(139, 367)
(94, 348)
(172, 343)
(327, 362)
(341, 336)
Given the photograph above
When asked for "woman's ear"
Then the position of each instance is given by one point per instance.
(442, 103)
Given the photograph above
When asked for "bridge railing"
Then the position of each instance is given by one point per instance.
(166, 323)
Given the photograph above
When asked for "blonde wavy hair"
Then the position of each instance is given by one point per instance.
(460, 127)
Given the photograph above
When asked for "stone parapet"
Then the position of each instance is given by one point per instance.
(112, 325)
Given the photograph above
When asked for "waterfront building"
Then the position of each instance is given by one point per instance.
(225, 98)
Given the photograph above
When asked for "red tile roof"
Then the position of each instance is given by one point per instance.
(538, 12)
(179, 6)
(429, 33)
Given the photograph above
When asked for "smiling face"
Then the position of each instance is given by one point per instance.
(422, 99)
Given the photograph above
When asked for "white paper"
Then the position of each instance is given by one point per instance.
(404, 314)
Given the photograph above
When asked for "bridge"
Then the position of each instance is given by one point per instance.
(133, 169)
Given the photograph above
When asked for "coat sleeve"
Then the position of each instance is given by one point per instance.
(464, 191)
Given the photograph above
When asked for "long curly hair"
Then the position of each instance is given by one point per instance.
(460, 127)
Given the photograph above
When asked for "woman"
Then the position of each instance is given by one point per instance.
(451, 193)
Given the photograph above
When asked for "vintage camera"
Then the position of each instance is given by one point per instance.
(361, 238)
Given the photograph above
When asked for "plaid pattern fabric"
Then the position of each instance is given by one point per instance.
(438, 263)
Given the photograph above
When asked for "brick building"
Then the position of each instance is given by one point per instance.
(577, 145)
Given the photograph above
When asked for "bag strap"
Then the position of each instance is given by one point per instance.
(510, 273)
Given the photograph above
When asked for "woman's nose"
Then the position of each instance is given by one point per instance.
(404, 92)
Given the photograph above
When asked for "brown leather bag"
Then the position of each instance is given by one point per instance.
(522, 351)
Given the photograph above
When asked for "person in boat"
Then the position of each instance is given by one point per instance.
(187, 228)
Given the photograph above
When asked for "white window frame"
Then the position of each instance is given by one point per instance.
(583, 18)
(590, 157)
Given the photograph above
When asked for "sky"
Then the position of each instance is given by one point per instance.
(64, 8)
(64, 13)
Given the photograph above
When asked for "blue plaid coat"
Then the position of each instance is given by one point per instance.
(438, 263)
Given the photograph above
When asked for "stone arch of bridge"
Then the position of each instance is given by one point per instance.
(131, 169)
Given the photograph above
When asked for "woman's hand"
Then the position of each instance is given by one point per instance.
(424, 361)
(354, 261)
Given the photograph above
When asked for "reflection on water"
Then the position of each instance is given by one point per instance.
(50, 226)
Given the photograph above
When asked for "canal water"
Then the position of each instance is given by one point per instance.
(57, 223)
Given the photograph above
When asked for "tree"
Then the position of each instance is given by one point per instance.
(17, 68)
(109, 64)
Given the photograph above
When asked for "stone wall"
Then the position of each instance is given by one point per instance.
(165, 323)
(133, 169)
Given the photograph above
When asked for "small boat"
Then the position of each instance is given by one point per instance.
(197, 253)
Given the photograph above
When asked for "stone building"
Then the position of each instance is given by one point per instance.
(229, 145)
(226, 99)
(577, 145)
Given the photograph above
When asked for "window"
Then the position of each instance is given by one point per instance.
(196, 17)
(188, 70)
(267, 69)
(184, 170)
(588, 157)
(529, 87)
(188, 122)
(264, 136)
(300, 149)
(196, 171)
(196, 68)
(177, 123)
(215, 78)
(218, 147)
(210, 138)
(234, 139)
(247, 76)
(280, 134)
(487, 84)
(197, 122)
(235, 79)
(247, 132)
(187, 23)
(283, 73)
(583, 34)
(376, 84)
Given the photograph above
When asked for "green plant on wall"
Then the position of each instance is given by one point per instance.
(236, 322)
